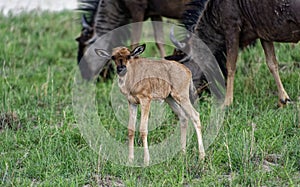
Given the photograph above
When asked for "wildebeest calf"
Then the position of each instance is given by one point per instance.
(142, 80)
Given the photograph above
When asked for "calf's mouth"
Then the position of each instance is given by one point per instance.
(121, 70)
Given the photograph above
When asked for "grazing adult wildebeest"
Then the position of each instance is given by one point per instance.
(226, 25)
(142, 80)
(111, 14)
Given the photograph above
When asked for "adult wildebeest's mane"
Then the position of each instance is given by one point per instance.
(105, 16)
(209, 29)
(89, 8)
(110, 15)
(192, 13)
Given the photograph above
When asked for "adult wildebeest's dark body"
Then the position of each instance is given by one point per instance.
(226, 25)
(107, 15)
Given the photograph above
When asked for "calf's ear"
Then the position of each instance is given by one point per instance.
(103, 53)
(138, 50)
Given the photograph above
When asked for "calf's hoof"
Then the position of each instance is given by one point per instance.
(146, 163)
(201, 155)
(130, 160)
(283, 102)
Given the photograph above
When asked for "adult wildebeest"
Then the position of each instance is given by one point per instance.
(142, 80)
(111, 14)
(103, 17)
(226, 25)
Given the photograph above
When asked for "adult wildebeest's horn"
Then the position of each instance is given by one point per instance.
(84, 22)
(178, 44)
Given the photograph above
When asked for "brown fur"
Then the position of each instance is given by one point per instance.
(146, 80)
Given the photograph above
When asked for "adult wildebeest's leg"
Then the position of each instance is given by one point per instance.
(137, 11)
(137, 14)
(159, 34)
(273, 67)
(232, 48)
(131, 130)
(136, 34)
(145, 108)
(182, 118)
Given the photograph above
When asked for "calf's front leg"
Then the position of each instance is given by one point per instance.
(131, 130)
(145, 108)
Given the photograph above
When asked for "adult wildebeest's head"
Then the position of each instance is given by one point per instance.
(182, 51)
(85, 38)
(87, 32)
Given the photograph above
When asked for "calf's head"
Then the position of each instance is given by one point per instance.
(121, 56)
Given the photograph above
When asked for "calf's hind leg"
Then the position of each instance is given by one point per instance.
(182, 118)
(195, 118)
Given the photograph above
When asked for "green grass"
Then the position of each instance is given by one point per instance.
(41, 145)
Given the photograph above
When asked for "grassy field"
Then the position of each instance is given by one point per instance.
(41, 145)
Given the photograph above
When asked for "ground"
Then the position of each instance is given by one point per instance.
(41, 144)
